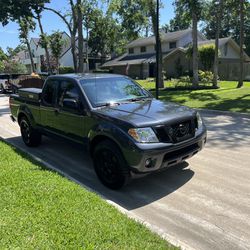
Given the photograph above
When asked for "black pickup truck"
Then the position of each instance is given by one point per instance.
(126, 130)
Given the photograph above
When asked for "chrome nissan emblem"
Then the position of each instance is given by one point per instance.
(183, 129)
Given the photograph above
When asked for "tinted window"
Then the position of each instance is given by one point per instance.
(101, 91)
(68, 90)
(49, 93)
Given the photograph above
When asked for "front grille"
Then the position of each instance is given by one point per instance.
(176, 132)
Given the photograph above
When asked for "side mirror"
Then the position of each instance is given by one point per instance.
(70, 104)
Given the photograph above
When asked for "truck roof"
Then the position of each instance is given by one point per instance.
(87, 76)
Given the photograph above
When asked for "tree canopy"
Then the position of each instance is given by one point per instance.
(12, 10)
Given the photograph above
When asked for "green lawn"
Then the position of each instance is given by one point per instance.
(227, 97)
(40, 209)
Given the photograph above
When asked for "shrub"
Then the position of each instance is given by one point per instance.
(206, 76)
(66, 70)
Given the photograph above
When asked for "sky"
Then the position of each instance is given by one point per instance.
(9, 33)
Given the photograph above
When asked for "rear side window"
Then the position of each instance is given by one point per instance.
(49, 93)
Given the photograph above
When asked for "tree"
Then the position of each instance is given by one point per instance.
(44, 41)
(106, 36)
(242, 15)
(133, 15)
(56, 46)
(14, 67)
(151, 4)
(193, 13)
(181, 21)
(3, 57)
(26, 25)
(217, 36)
(13, 52)
(71, 21)
(80, 36)
(13, 10)
(230, 25)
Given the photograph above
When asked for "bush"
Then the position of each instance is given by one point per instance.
(66, 70)
(206, 76)
(183, 81)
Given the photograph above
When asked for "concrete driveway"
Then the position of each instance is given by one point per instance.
(201, 204)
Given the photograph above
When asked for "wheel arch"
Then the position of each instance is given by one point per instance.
(98, 139)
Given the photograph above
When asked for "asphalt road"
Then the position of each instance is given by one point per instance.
(201, 204)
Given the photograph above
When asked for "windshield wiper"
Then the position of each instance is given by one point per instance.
(138, 99)
(107, 104)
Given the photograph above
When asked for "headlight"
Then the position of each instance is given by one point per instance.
(144, 135)
(199, 120)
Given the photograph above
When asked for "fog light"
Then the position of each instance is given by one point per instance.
(150, 163)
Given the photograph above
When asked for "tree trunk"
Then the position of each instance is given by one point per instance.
(57, 66)
(195, 51)
(72, 30)
(31, 56)
(73, 51)
(153, 14)
(216, 55)
(45, 46)
(240, 83)
(80, 36)
(87, 48)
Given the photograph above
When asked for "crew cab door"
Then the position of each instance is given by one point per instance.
(48, 104)
(70, 113)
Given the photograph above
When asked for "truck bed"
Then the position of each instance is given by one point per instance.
(28, 96)
(31, 94)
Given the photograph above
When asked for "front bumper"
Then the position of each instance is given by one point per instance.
(164, 155)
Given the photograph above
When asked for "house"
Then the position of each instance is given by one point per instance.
(140, 61)
(65, 60)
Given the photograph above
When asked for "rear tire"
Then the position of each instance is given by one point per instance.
(31, 137)
(110, 165)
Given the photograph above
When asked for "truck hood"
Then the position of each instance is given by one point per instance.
(146, 113)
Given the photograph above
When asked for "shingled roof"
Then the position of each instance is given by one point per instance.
(165, 37)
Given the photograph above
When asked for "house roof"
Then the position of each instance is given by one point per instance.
(222, 42)
(36, 41)
(133, 59)
(165, 37)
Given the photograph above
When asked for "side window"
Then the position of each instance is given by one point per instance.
(49, 93)
(68, 90)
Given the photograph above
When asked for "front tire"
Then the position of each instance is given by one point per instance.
(110, 165)
(31, 137)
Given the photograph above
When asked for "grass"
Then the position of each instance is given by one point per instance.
(40, 209)
(226, 98)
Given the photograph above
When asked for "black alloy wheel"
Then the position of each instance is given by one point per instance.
(110, 165)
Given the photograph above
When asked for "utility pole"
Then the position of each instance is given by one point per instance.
(157, 50)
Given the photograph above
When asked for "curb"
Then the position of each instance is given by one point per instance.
(171, 239)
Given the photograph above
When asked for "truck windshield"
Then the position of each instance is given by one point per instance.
(105, 91)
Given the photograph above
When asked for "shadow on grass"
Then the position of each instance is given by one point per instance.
(76, 163)
(209, 100)
(241, 104)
